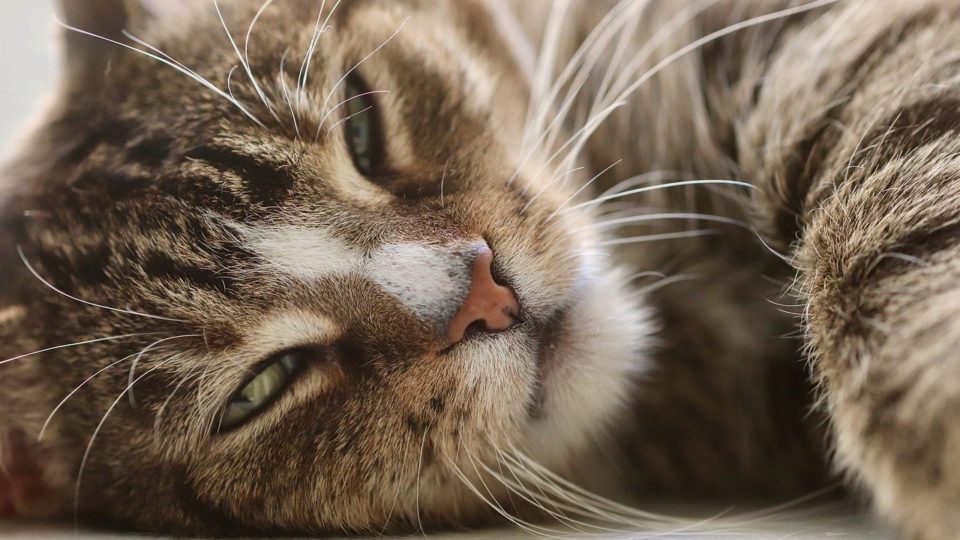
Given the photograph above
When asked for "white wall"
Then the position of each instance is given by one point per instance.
(28, 61)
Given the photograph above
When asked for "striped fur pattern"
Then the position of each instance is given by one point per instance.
(176, 220)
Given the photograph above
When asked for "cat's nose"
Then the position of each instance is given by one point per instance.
(488, 307)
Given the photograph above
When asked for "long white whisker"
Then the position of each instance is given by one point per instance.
(79, 387)
(670, 185)
(645, 178)
(676, 22)
(145, 350)
(519, 488)
(312, 49)
(549, 47)
(286, 93)
(244, 59)
(175, 65)
(668, 281)
(583, 187)
(336, 86)
(163, 407)
(657, 237)
(566, 488)
(96, 431)
(423, 443)
(589, 127)
(230, 80)
(69, 346)
(597, 38)
(246, 55)
(491, 502)
(583, 135)
(443, 179)
(669, 216)
(346, 119)
(348, 100)
(577, 68)
(30, 268)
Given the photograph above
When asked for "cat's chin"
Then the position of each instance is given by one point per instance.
(589, 357)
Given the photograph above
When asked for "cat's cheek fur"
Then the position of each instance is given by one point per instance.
(590, 374)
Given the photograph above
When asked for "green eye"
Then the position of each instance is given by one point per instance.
(362, 129)
(260, 391)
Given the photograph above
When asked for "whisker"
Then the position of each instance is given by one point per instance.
(423, 443)
(244, 62)
(145, 350)
(578, 136)
(601, 33)
(491, 502)
(96, 432)
(396, 496)
(583, 187)
(668, 281)
(318, 31)
(549, 47)
(646, 178)
(30, 268)
(346, 118)
(336, 86)
(172, 63)
(669, 216)
(230, 80)
(79, 387)
(70, 345)
(648, 273)
(348, 100)
(670, 185)
(569, 488)
(286, 92)
(675, 23)
(246, 55)
(163, 407)
(443, 178)
(519, 488)
(593, 124)
(658, 237)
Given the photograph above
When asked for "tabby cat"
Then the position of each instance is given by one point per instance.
(307, 266)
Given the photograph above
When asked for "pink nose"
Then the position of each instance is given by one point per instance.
(488, 306)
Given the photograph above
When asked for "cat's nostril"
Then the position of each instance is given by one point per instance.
(488, 307)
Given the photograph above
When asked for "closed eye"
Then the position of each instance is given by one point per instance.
(363, 130)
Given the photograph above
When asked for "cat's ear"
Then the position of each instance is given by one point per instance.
(92, 24)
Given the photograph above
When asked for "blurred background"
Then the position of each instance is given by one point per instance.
(28, 63)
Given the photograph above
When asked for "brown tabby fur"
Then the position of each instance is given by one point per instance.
(131, 192)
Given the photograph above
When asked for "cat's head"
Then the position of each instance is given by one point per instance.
(308, 274)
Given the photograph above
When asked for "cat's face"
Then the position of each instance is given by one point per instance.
(292, 267)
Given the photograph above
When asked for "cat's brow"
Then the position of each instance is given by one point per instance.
(265, 182)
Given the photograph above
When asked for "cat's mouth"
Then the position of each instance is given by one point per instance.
(550, 340)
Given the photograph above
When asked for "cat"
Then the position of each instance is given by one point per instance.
(307, 267)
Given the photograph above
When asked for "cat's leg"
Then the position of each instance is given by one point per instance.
(880, 266)
(860, 177)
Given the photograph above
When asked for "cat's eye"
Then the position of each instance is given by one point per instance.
(260, 391)
(362, 129)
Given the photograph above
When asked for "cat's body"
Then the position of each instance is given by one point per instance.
(213, 227)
